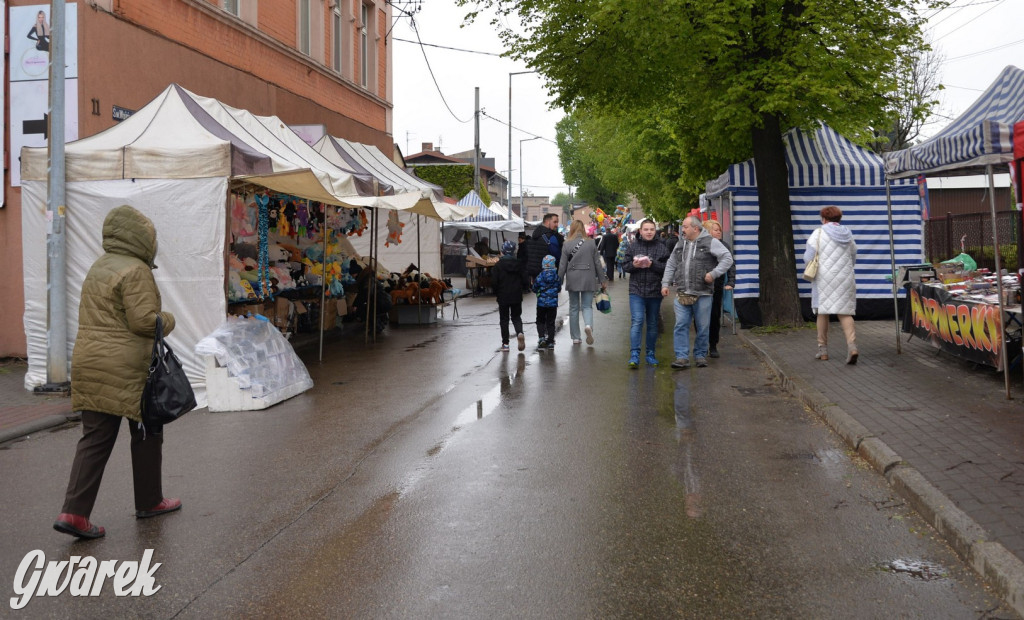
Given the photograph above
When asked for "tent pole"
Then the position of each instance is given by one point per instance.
(999, 277)
(323, 279)
(892, 262)
(419, 268)
(370, 283)
(376, 254)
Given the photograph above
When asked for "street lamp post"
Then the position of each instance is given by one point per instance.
(510, 145)
(522, 202)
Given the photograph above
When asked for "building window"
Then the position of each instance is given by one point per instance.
(231, 6)
(364, 46)
(336, 39)
(304, 26)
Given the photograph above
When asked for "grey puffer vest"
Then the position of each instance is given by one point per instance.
(693, 260)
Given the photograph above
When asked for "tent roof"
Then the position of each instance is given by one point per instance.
(480, 212)
(982, 135)
(484, 218)
(181, 135)
(404, 191)
(819, 158)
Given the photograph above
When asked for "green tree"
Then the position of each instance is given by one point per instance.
(456, 180)
(721, 80)
(578, 165)
(561, 199)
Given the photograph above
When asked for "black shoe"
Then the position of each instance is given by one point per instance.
(713, 353)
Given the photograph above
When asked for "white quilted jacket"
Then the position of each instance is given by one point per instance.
(834, 290)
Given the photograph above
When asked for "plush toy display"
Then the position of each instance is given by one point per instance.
(394, 229)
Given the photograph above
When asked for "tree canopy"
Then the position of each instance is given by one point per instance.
(683, 88)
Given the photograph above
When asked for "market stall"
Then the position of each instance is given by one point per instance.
(477, 239)
(825, 168)
(975, 142)
(186, 162)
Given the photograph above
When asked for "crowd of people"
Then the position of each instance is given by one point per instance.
(694, 266)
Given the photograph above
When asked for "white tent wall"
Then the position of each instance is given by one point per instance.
(396, 257)
(189, 215)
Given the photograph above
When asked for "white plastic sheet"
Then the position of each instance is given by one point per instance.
(257, 355)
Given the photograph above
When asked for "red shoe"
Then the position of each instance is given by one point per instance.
(166, 505)
(77, 526)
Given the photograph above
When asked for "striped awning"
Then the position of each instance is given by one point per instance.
(981, 136)
(819, 158)
(482, 214)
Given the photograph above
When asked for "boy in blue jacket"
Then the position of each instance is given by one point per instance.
(547, 285)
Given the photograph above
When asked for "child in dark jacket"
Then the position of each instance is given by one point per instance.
(547, 285)
(509, 280)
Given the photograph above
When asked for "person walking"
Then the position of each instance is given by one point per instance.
(547, 285)
(509, 280)
(834, 289)
(117, 315)
(609, 247)
(580, 269)
(692, 268)
(722, 284)
(644, 260)
(545, 240)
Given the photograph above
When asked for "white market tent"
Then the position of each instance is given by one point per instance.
(483, 218)
(825, 169)
(173, 160)
(976, 141)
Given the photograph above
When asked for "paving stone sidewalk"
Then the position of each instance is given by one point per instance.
(21, 411)
(946, 418)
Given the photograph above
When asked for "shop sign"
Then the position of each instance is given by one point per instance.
(121, 114)
(972, 331)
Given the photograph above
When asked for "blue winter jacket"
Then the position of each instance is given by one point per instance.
(547, 285)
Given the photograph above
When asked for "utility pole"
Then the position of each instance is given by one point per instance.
(476, 142)
(56, 262)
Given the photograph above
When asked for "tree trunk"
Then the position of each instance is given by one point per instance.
(779, 298)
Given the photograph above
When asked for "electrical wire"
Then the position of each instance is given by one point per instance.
(996, 5)
(985, 51)
(412, 23)
(499, 121)
(445, 47)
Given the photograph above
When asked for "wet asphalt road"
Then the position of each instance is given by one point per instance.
(430, 476)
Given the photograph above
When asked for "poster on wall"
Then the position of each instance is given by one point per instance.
(29, 76)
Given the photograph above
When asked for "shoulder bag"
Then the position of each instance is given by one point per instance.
(811, 270)
(167, 395)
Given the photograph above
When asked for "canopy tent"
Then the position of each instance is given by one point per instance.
(977, 140)
(173, 160)
(483, 218)
(824, 169)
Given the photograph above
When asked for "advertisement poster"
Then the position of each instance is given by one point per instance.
(30, 39)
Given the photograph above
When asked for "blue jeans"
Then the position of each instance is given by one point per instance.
(699, 312)
(643, 309)
(580, 300)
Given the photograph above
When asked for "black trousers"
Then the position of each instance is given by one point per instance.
(609, 267)
(99, 433)
(513, 311)
(716, 318)
(546, 323)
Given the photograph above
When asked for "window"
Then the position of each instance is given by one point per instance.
(304, 18)
(364, 48)
(231, 6)
(336, 39)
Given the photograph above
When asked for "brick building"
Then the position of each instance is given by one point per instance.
(325, 62)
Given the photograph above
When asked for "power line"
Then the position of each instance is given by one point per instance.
(998, 2)
(445, 47)
(498, 120)
(412, 23)
(985, 51)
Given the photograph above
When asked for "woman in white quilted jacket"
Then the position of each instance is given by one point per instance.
(834, 289)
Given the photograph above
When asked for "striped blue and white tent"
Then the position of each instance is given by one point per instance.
(825, 169)
(483, 219)
(982, 135)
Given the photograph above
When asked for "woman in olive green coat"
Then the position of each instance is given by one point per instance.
(116, 325)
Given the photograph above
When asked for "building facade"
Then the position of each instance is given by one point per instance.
(324, 62)
(496, 184)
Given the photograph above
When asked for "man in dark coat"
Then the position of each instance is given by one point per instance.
(545, 241)
(509, 280)
(609, 246)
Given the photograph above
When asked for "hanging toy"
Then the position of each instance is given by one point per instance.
(274, 211)
(303, 218)
(394, 229)
(287, 227)
(263, 264)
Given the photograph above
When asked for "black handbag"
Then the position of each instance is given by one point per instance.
(168, 394)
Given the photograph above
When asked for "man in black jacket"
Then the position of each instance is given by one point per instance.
(609, 246)
(545, 240)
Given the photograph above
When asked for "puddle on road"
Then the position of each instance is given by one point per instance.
(918, 569)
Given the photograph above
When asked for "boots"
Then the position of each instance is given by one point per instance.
(822, 353)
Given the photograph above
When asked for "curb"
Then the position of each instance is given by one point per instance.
(23, 430)
(998, 567)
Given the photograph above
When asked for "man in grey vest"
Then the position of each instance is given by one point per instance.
(694, 264)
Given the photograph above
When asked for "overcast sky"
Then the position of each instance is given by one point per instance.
(977, 38)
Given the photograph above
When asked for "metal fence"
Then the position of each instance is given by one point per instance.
(972, 233)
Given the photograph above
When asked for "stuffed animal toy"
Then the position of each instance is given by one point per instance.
(283, 277)
(239, 218)
(302, 217)
(234, 262)
(275, 208)
(362, 223)
(394, 229)
(410, 293)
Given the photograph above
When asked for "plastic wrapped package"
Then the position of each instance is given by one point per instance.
(257, 356)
